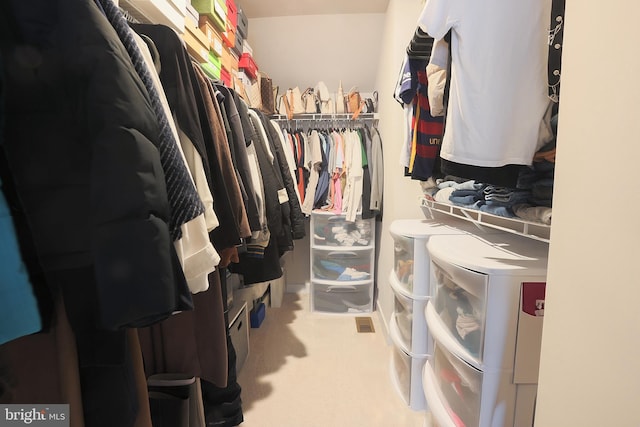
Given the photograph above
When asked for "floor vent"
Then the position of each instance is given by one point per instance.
(364, 324)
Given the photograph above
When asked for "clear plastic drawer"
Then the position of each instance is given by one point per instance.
(403, 260)
(343, 266)
(407, 377)
(411, 323)
(334, 230)
(460, 385)
(341, 298)
(460, 300)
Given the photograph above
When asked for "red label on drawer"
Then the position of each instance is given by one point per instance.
(533, 298)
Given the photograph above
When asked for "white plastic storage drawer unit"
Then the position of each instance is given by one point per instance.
(342, 264)
(477, 284)
(410, 281)
(486, 321)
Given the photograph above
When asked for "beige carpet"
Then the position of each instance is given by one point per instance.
(310, 369)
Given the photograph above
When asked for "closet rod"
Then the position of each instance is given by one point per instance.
(320, 116)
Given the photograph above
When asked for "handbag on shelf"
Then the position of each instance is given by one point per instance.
(309, 100)
(290, 103)
(324, 99)
(281, 107)
(371, 104)
(354, 102)
(284, 107)
(368, 106)
(295, 100)
(262, 94)
(276, 90)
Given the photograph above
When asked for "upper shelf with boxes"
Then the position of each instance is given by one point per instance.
(215, 19)
(214, 32)
(217, 27)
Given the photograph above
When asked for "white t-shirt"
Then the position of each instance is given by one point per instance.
(498, 78)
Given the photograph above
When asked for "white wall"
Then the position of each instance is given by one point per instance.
(366, 52)
(400, 193)
(303, 50)
(590, 367)
(363, 50)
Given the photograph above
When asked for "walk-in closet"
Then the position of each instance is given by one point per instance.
(220, 213)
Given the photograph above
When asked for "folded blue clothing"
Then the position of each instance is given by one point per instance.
(464, 201)
(493, 189)
(499, 210)
(507, 204)
(462, 193)
(511, 198)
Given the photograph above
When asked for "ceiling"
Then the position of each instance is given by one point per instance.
(272, 8)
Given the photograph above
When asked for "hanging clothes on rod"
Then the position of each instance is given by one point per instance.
(342, 161)
(420, 45)
(509, 77)
(420, 154)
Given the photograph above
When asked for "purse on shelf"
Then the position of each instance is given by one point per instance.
(368, 106)
(354, 102)
(293, 100)
(371, 104)
(281, 107)
(284, 106)
(262, 94)
(309, 100)
(324, 99)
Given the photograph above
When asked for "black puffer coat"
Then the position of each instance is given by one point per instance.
(80, 142)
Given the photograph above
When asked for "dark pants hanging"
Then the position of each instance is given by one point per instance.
(107, 375)
(223, 405)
